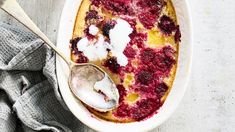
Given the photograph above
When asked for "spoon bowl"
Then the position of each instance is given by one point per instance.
(93, 82)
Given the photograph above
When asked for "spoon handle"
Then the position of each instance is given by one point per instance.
(14, 9)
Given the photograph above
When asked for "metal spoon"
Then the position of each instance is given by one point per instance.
(83, 77)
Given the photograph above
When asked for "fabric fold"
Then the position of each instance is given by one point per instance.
(29, 85)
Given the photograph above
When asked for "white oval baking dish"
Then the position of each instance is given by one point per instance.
(179, 87)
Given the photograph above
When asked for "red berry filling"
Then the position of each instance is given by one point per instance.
(118, 7)
(147, 19)
(129, 52)
(161, 89)
(166, 25)
(107, 27)
(147, 55)
(92, 14)
(154, 6)
(138, 39)
(161, 60)
(145, 108)
(73, 45)
(168, 51)
(92, 17)
(177, 34)
(164, 60)
(112, 65)
(149, 11)
(131, 21)
(128, 68)
(88, 35)
(145, 76)
(82, 58)
(96, 2)
(123, 111)
(146, 90)
(122, 92)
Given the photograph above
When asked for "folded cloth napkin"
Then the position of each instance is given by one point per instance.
(29, 95)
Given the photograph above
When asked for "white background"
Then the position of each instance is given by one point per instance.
(208, 105)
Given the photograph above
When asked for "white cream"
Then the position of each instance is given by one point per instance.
(82, 44)
(93, 51)
(119, 38)
(93, 30)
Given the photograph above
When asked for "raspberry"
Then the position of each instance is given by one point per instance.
(147, 19)
(166, 25)
(149, 11)
(152, 6)
(150, 3)
(92, 14)
(145, 108)
(163, 62)
(147, 55)
(145, 77)
(118, 7)
(92, 17)
(161, 89)
(112, 65)
(73, 43)
(138, 39)
(107, 27)
(177, 34)
(129, 52)
(82, 58)
(168, 51)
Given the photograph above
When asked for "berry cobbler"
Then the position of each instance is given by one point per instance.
(136, 43)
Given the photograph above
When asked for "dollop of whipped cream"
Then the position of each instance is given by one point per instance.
(119, 38)
(93, 51)
(93, 30)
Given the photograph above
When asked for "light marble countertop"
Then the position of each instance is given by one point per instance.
(208, 105)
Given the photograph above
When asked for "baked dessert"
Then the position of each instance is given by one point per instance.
(136, 43)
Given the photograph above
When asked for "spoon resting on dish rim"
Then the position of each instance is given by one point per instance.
(88, 82)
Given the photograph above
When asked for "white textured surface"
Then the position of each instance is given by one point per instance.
(208, 105)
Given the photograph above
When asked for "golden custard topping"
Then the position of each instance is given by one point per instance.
(136, 43)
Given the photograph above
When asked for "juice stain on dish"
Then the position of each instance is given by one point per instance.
(150, 48)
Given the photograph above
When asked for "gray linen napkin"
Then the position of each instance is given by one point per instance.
(29, 95)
